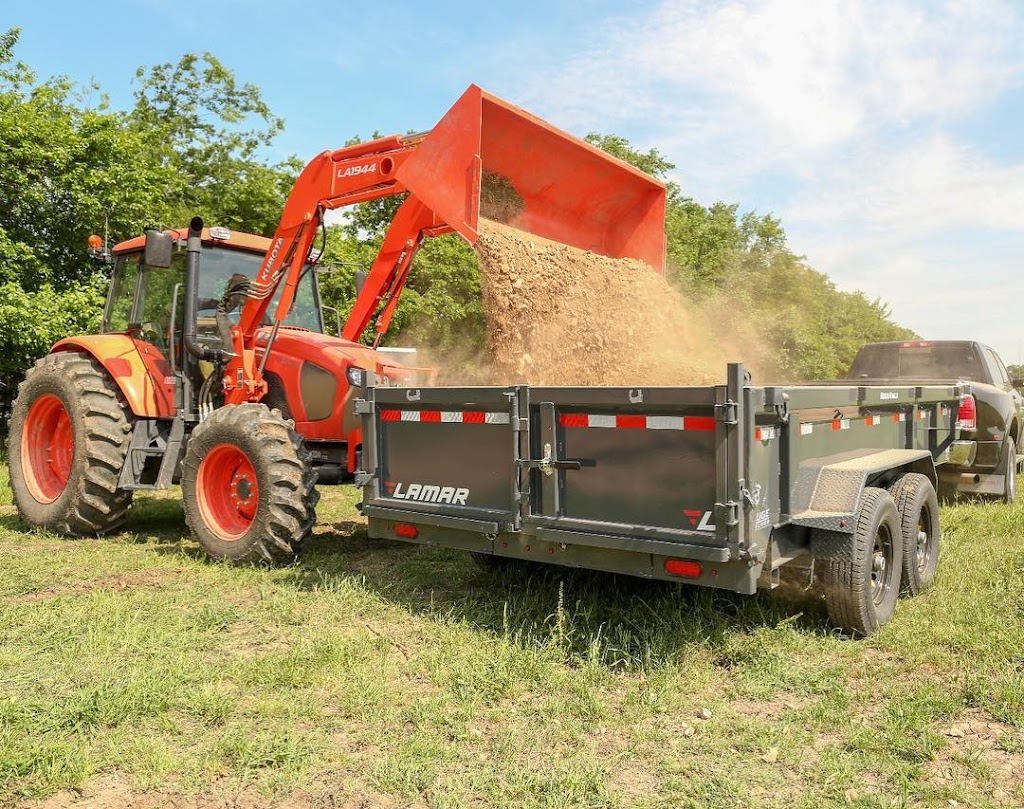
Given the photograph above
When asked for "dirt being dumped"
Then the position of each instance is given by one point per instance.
(558, 315)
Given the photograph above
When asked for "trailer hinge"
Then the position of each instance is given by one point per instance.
(363, 406)
(727, 515)
(363, 478)
(727, 413)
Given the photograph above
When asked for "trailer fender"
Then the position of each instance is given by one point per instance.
(827, 491)
(138, 368)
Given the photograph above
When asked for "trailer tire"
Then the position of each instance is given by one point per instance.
(918, 508)
(1008, 465)
(70, 431)
(248, 486)
(862, 570)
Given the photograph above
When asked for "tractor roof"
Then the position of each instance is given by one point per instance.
(236, 241)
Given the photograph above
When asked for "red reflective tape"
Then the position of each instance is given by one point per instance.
(430, 415)
(390, 415)
(837, 425)
(757, 433)
(896, 417)
(631, 422)
(706, 423)
(473, 417)
(573, 419)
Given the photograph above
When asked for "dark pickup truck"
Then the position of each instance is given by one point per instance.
(984, 460)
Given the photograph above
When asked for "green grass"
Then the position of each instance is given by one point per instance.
(382, 674)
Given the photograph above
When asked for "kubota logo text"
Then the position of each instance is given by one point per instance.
(431, 494)
(352, 171)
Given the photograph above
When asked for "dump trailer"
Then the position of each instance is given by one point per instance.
(720, 486)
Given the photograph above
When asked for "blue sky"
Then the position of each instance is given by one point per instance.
(887, 135)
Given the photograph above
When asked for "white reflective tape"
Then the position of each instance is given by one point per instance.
(664, 422)
(903, 416)
(600, 421)
(844, 424)
(410, 415)
(496, 418)
(451, 416)
(806, 429)
(874, 421)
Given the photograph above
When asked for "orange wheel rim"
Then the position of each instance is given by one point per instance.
(47, 448)
(227, 491)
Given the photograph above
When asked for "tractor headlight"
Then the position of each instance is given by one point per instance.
(354, 376)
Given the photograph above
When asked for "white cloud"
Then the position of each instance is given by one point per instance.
(847, 119)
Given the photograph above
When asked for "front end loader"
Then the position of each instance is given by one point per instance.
(212, 369)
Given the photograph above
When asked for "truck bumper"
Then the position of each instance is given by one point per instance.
(960, 453)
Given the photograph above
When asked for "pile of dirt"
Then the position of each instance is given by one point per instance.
(558, 315)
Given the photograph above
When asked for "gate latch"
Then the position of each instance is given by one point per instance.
(547, 465)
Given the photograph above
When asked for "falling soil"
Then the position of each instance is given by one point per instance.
(558, 315)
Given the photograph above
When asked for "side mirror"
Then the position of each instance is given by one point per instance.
(159, 247)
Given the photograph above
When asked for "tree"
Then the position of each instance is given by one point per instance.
(208, 130)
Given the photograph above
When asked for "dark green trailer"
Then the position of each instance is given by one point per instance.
(717, 486)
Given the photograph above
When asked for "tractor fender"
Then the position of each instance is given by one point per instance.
(827, 491)
(138, 368)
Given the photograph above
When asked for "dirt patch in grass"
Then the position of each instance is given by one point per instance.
(112, 792)
(121, 582)
(985, 756)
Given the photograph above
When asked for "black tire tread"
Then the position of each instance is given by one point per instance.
(291, 513)
(844, 556)
(912, 492)
(96, 504)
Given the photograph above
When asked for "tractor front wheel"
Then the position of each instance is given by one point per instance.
(248, 486)
(69, 437)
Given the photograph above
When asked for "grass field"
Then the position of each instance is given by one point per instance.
(133, 672)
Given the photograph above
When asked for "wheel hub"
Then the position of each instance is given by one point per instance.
(227, 491)
(47, 448)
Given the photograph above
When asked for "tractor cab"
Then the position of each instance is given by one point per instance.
(144, 300)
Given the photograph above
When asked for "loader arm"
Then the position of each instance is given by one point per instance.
(550, 184)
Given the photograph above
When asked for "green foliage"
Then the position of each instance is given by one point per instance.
(209, 128)
(31, 322)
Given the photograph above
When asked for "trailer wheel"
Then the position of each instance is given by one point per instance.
(69, 437)
(862, 570)
(918, 509)
(1009, 469)
(248, 486)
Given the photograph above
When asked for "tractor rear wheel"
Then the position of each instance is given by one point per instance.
(69, 437)
(248, 486)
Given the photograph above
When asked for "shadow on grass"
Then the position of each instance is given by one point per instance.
(621, 621)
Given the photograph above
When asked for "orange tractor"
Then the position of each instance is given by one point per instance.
(213, 368)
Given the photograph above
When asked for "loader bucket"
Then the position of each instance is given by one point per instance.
(489, 158)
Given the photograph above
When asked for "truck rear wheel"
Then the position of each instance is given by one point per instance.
(1008, 467)
(918, 509)
(862, 569)
(248, 486)
(69, 437)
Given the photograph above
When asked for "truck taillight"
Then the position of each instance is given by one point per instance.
(683, 567)
(967, 416)
(406, 530)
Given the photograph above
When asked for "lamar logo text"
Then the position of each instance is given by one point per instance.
(431, 494)
(699, 520)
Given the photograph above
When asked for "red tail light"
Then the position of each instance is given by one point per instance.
(406, 530)
(967, 416)
(683, 567)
